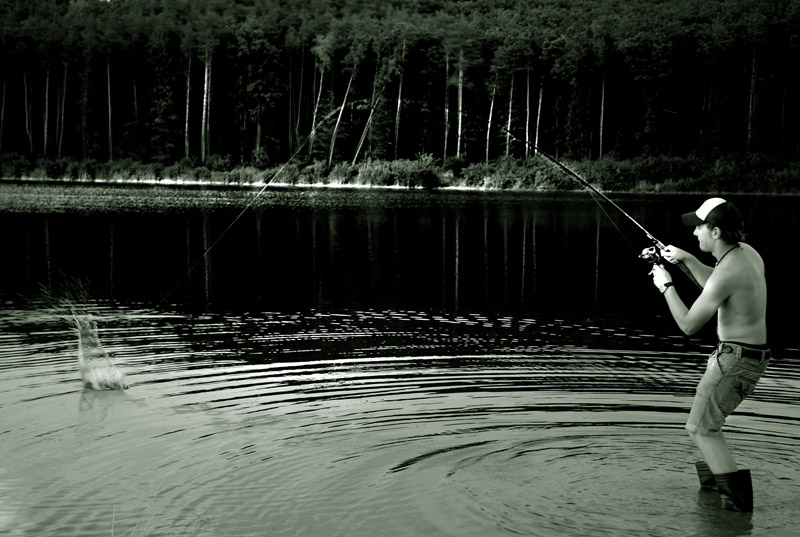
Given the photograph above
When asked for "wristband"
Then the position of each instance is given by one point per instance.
(666, 286)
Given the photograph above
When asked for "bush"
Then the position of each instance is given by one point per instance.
(89, 169)
(15, 166)
(201, 173)
(650, 173)
(315, 173)
(244, 175)
(376, 173)
(408, 173)
(219, 163)
(455, 165)
(289, 174)
(343, 174)
(476, 175)
(52, 169)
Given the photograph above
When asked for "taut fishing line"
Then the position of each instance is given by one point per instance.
(194, 265)
(246, 208)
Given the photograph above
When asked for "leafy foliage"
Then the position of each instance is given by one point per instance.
(635, 93)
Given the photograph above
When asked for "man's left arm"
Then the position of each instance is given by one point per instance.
(691, 320)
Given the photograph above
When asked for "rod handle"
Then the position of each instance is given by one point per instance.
(689, 274)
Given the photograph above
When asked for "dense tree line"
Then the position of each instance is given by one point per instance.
(255, 82)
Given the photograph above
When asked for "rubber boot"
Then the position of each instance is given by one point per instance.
(736, 490)
(707, 480)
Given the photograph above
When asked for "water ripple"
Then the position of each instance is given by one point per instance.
(375, 423)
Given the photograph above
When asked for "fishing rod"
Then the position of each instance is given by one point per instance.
(652, 254)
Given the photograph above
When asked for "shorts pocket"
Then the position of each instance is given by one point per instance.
(725, 362)
(745, 386)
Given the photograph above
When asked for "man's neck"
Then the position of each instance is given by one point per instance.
(721, 249)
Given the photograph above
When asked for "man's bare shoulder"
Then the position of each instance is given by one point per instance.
(753, 255)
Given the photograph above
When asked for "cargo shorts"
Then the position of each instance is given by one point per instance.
(731, 375)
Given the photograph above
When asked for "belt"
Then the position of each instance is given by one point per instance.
(747, 352)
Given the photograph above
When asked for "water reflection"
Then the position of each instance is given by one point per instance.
(327, 250)
(478, 251)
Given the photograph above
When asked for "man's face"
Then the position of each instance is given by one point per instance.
(704, 233)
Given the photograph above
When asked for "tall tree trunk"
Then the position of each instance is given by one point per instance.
(316, 111)
(110, 131)
(527, 113)
(602, 112)
(399, 105)
(752, 105)
(508, 126)
(204, 121)
(446, 102)
(2, 111)
(460, 101)
(135, 102)
(783, 118)
(290, 108)
(108, 83)
(186, 119)
(372, 104)
(85, 110)
(257, 150)
(538, 116)
(208, 108)
(62, 105)
(300, 94)
(28, 127)
(339, 119)
(489, 122)
(46, 111)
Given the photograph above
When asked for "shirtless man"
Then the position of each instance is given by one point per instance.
(735, 289)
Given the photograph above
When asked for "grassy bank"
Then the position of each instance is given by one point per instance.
(735, 173)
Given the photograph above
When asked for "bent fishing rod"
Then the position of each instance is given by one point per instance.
(653, 254)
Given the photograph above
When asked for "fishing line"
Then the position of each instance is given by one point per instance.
(246, 208)
(592, 190)
(613, 222)
(177, 284)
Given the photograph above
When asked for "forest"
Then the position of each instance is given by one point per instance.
(421, 91)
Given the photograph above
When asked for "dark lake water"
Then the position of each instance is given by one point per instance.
(356, 362)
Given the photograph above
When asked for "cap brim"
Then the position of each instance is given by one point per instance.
(691, 219)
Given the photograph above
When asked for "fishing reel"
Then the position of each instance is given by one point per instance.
(652, 255)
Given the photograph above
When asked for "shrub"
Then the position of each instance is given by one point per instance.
(476, 175)
(376, 173)
(455, 165)
(15, 166)
(219, 163)
(421, 172)
(316, 172)
(289, 174)
(343, 174)
(201, 173)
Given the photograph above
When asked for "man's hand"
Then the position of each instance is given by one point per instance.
(661, 277)
(674, 255)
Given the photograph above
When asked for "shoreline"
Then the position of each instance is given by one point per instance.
(211, 185)
(25, 196)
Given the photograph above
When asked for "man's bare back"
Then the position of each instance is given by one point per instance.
(742, 317)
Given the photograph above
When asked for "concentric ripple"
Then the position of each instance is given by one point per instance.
(375, 423)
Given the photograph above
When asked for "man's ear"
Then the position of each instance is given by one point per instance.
(716, 232)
